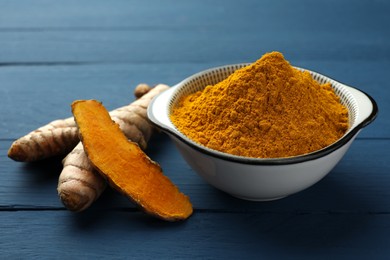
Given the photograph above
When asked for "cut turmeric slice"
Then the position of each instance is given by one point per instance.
(126, 167)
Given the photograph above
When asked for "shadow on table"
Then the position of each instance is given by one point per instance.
(328, 215)
(43, 172)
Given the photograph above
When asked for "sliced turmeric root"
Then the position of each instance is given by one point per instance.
(126, 167)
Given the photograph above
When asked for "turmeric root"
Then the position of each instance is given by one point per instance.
(141, 90)
(58, 137)
(79, 185)
(126, 167)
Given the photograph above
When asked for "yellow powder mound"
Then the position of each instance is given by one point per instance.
(266, 110)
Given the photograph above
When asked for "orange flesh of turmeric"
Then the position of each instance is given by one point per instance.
(126, 167)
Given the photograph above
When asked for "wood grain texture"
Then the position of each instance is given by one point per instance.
(52, 53)
(207, 235)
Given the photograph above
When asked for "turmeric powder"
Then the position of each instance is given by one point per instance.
(268, 109)
(127, 168)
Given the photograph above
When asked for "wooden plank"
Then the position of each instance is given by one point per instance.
(52, 53)
(331, 14)
(206, 235)
(191, 32)
(45, 47)
(357, 184)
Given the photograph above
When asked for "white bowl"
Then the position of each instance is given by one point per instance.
(254, 178)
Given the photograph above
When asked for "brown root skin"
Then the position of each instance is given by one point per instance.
(127, 168)
(141, 90)
(79, 185)
(45, 143)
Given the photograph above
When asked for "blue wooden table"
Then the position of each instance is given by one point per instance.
(53, 52)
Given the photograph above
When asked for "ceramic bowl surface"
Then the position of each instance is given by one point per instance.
(256, 178)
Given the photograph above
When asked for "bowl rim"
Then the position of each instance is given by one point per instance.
(262, 161)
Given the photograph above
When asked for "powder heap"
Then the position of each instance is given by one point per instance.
(267, 109)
